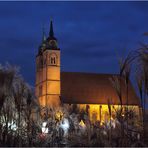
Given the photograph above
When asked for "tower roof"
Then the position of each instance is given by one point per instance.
(51, 33)
(50, 43)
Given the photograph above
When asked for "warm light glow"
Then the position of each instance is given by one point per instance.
(49, 78)
(101, 123)
(58, 115)
(53, 87)
(53, 73)
(102, 113)
(82, 124)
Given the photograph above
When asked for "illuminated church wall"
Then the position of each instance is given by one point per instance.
(101, 112)
(48, 80)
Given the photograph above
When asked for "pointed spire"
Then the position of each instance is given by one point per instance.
(51, 33)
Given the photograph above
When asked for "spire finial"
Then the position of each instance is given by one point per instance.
(51, 33)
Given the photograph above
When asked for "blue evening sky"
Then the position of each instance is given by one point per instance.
(91, 35)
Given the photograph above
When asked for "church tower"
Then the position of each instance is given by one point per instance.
(47, 87)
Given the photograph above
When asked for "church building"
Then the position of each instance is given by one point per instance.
(92, 90)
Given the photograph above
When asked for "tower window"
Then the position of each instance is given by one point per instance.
(40, 90)
(53, 59)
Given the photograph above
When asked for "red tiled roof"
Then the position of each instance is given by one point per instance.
(88, 88)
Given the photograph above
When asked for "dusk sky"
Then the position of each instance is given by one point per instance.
(91, 35)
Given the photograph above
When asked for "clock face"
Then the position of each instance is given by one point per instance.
(53, 44)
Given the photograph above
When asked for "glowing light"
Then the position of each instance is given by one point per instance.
(59, 115)
(13, 126)
(44, 124)
(44, 128)
(95, 113)
(101, 123)
(82, 124)
(65, 125)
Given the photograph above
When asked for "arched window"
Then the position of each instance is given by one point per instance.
(53, 59)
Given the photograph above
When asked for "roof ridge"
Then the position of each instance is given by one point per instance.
(89, 73)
